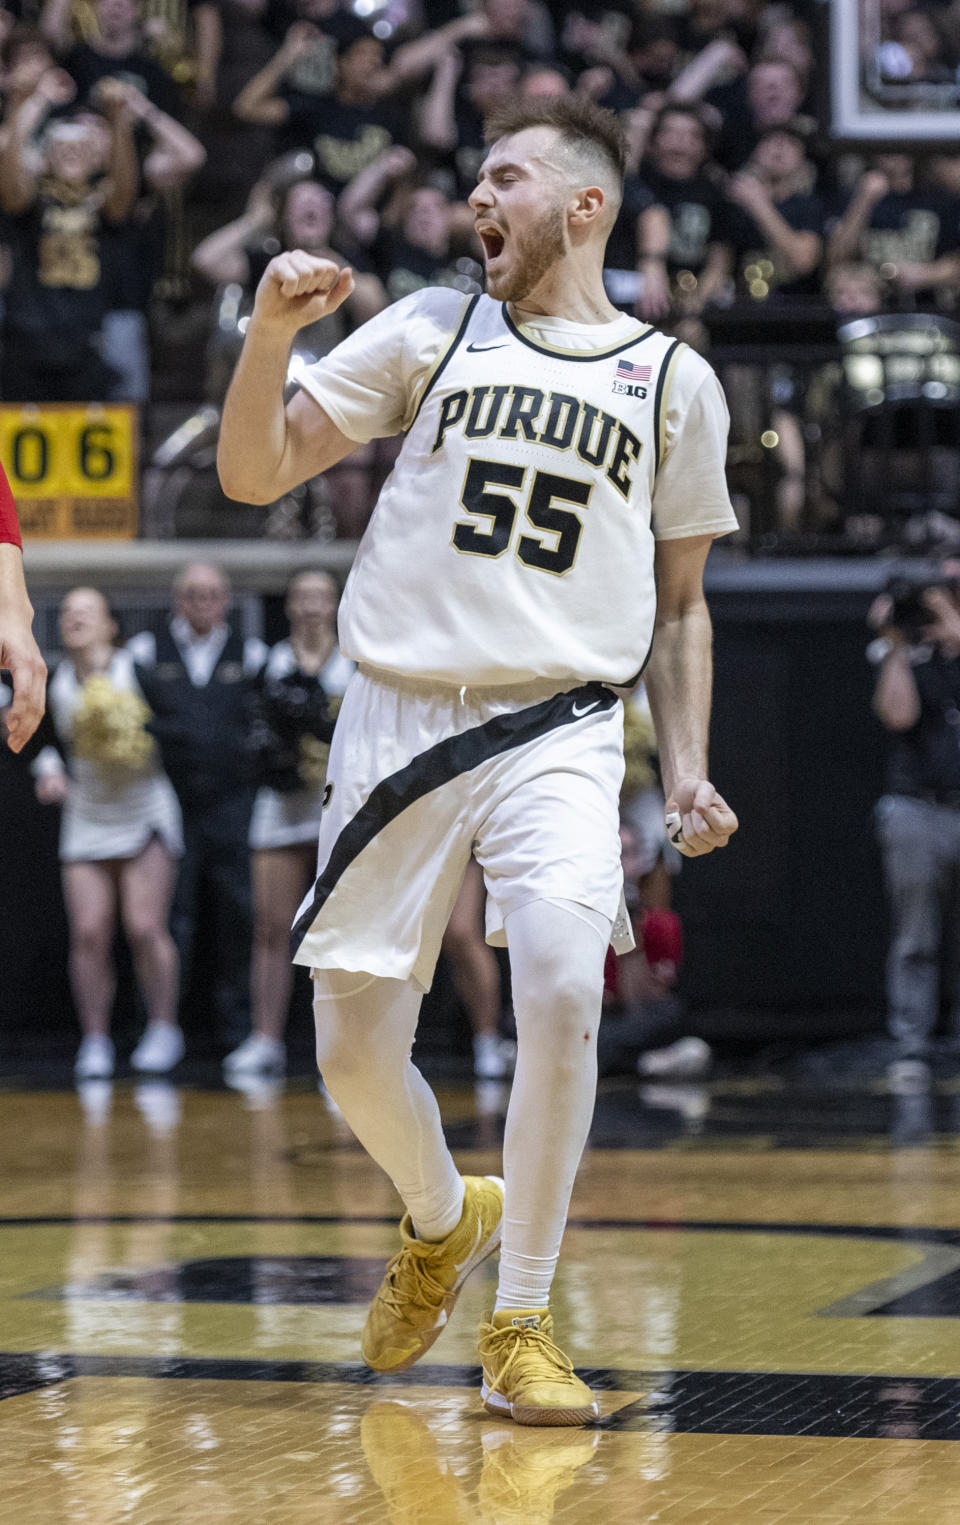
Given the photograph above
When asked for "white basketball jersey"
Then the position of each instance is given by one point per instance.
(515, 536)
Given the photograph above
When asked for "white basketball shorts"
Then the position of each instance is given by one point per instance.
(527, 778)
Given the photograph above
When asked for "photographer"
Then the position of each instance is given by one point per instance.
(917, 699)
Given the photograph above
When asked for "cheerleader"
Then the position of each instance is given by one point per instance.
(301, 684)
(120, 837)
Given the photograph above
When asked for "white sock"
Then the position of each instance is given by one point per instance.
(365, 1032)
(556, 962)
(525, 1280)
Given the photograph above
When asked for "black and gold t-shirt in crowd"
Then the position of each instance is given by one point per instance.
(699, 216)
(60, 282)
(623, 251)
(344, 139)
(405, 267)
(908, 227)
(759, 273)
(87, 68)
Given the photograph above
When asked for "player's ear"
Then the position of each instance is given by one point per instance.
(588, 206)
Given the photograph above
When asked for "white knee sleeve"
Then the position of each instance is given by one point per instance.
(365, 1032)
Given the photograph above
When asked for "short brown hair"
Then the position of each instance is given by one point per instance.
(577, 119)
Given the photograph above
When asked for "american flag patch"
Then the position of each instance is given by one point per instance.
(627, 371)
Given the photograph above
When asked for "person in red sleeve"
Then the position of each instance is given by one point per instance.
(19, 653)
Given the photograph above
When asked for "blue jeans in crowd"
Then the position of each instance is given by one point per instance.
(920, 841)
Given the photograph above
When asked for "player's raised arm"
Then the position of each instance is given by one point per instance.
(265, 448)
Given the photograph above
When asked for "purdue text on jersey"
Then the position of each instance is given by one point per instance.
(555, 419)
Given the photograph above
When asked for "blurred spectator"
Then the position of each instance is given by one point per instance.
(777, 231)
(943, 172)
(24, 49)
(60, 207)
(779, 234)
(349, 124)
(635, 263)
(544, 78)
(303, 218)
(117, 47)
(922, 48)
(911, 235)
(786, 39)
(699, 260)
(917, 698)
(773, 97)
(198, 675)
(750, 100)
(171, 156)
(594, 38)
(461, 94)
(854, 290)
(732, 20)
(232, 45)
(646, 65)
(120, 836)
(292, 728)
(411, 241)
(525, 23)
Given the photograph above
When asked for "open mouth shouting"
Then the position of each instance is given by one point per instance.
(492, 239)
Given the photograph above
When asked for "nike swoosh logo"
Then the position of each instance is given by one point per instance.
(473, 1250)
(586, 708)
(478, 349)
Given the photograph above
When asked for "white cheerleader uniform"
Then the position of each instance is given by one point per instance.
(110, 812)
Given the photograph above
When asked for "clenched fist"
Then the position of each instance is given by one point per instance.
(698, 818)
(298, 288)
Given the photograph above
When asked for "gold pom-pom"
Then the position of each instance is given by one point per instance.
(109, 727)
(315, 755)
(639, 750)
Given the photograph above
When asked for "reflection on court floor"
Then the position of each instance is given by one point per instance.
(763, 1287)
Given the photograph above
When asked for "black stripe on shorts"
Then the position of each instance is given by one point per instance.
(439, 765)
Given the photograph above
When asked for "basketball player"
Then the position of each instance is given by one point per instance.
(19, 653)
(558, 458)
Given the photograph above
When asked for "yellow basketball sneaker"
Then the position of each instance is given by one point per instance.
(526, 1375)
(416, 1297)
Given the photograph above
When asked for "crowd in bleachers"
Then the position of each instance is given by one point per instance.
(163, 150)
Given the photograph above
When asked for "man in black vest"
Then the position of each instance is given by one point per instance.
(197, 675)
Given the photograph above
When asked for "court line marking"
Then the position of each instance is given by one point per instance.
(801, 1404)
(909, 1234)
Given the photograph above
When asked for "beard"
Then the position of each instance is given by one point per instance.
(533, 253)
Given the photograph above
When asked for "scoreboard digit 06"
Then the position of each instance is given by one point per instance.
(72, 468)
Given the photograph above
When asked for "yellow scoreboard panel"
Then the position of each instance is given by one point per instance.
(72, 468)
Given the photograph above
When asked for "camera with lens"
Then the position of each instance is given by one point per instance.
(909, 612)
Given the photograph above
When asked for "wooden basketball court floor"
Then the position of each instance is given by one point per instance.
(763, 1286)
